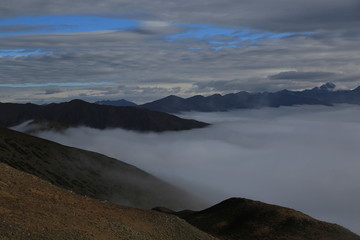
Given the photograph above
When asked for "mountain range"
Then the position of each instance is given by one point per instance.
(156, 116)
(323, 95)
(51, 191)
(81, 113)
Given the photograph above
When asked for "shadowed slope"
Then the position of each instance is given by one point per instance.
(89, 173)
(243, 219)
(80, 113)
(33, 209)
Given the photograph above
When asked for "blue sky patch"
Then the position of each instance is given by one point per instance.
(226, 37)
(217, 37)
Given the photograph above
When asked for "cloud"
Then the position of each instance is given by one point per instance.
(144, 55)
(295, 75)
(135, 60)
(274, 15)
(52, 91)
(300, 157)
(235, 85)
(129, 59)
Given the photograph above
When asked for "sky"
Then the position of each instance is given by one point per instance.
(53, 51)
(305, 158)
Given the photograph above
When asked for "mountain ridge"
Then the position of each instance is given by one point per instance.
(323, 95)
(81, 113)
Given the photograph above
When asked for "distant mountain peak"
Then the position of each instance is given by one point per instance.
(325, 87)
(173, 97)
(77, 101)
(357, 89)
(328, 86)
(326, 95)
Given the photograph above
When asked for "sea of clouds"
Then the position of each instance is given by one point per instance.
(306, 158)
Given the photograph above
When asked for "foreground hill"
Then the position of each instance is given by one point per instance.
(323, 95)
(33, 209)
(88, 173)
(80, 113)
(243, 219)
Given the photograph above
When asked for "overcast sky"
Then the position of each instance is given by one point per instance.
(143, 50)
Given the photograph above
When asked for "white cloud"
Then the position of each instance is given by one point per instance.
(156, 24)
(301, 157)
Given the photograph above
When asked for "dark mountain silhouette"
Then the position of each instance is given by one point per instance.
(80, 113)
(119, 103)
(88, 173)
(323, 95)
(33, 209)
(243, 219)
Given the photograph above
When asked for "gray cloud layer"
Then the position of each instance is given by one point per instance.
(140, 59)
(21, 28)
(301, 157)
(277, 15)
(302, 75)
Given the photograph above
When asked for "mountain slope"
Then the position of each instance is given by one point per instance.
(323, 95)
(89, 173)
(243, 219)
(33, 209)
(80, 113)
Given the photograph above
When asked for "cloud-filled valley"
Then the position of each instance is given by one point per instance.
(198, 55)
(300, 157)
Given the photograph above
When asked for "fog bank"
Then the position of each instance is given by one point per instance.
(306, 158)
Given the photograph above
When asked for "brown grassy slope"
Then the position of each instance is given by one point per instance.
(31, 208)
(89, 173)
(243, 219)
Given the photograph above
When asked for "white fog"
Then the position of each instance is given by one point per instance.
(306, 158)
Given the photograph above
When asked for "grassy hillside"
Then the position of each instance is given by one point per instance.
(33, 209)
(88, 173)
